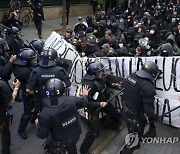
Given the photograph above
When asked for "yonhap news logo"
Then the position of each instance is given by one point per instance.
(165, 140)
(132, 140)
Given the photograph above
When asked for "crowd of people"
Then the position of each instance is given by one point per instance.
(140, 30)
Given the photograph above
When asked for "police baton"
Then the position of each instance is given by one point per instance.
(163, 115)
(109, 100)
(31, 46)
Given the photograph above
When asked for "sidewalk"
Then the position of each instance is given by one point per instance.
(149, 148)
(48, 26)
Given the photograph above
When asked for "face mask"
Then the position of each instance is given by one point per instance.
(120, 45)
(151, 31)
(146, 38)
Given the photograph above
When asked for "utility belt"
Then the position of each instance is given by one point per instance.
(6, 120)
(61, 146)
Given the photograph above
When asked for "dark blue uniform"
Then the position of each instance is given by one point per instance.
(5, 98)
(62, 120)
(97, 85)
(5, 67)
(138, 98)
(22, 73)
(41, 74)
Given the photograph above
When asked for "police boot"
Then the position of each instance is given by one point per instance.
(126, 150)
(85, 146)
(22, 126)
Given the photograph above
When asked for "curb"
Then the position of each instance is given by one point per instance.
(108, 139)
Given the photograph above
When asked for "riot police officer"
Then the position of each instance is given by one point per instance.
(23, 66)
(15, 40)
(37, 45)
(60, 116)
(6, 61)
(138, 99)
(6, 97)
(96, 80)
(46, 70)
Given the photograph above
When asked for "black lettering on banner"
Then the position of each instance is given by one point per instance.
(166, 104)
(157, 105)
(74, 75)
(118, 72)
(59, 43)
(52, 43)
(175, 83)
(130, 66)
(155, 82)
(123, 74)
(164, 74)
(52, 39)
(62, 54)
(139, 62)
(77, 55)
(110, 68)
(67, 50)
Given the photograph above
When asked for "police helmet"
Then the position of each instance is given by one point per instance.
(49, 57)
(3, 45)
(37, 45)
(95, 67)
(54, 87)
(149, 70)
(25, 57)
(15, 32)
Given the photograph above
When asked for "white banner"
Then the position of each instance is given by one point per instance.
(167, 88)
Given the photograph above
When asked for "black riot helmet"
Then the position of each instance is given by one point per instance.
(149, 70)
(15, 32)
(49, 57)
(27, 56)
(55, 87)
(95, 67)
(37, 45)
(3, 46)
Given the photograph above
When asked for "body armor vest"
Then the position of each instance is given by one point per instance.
(65, 122)
(44, 74)
(131, 94)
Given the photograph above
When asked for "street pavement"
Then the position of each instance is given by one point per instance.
(109, 141)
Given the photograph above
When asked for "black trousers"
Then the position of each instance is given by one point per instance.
(38, 25)
(5, 136)
(135, 125)
(94, 125)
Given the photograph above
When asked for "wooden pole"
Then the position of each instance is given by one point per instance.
(64, 17)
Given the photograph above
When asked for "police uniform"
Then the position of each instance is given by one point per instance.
(5, 67)
(42, 73)
(15, 40)
(138, 98)
(59, 118)
(5, 98)
(97, 87)
(22, 72)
